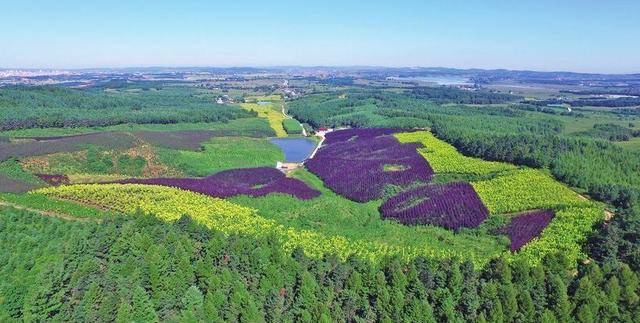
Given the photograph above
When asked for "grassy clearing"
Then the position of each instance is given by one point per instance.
(632, 144)
(222, 153)
(292, 126)
(574, 125)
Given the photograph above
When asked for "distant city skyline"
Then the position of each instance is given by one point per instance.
(575, 36)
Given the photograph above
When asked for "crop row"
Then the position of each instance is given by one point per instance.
(451, 206)
(243, 181)
(444, 158)
(359, 163)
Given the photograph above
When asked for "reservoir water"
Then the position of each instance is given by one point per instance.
(295, 149)
(440, 80)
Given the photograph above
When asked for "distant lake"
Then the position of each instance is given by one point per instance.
(440, 80)
(295, 149)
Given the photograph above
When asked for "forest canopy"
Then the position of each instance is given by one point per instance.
(48, 107)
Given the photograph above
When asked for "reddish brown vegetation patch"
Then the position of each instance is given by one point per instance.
(54, 179)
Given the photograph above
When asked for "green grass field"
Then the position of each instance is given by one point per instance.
(574, 125)
(292, 127)
(222, 153)
(632, 144)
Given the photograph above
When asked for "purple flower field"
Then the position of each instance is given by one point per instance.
(108, 140)
(10, 185)
(243, 181)
(357, 134)
(358, 163)
(452, 206)
(526, 226)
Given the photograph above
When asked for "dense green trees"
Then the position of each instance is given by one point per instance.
(47, 107)
(368, 108)
(140, 268)
(453, 95)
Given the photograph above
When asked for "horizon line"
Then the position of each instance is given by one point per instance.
(470, 69)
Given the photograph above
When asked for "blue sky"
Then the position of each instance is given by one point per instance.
(590, 36)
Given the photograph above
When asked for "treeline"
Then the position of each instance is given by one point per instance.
(628, 111)
(124, 83)
(632, 91)
(453, 95)
(140, 268)
(610, 131)
(48, 107)
(369, 108)
(546, 109)
(337, 81)
(591, 102)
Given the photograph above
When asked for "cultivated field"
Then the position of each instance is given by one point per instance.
(388, 203)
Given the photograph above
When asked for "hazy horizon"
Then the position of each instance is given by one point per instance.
(576, 36)
(298, 66)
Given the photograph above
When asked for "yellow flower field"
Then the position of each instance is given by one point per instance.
(272, 112)
(170, 204)
(444, 158)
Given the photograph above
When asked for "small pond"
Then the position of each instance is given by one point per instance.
(295, 149)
